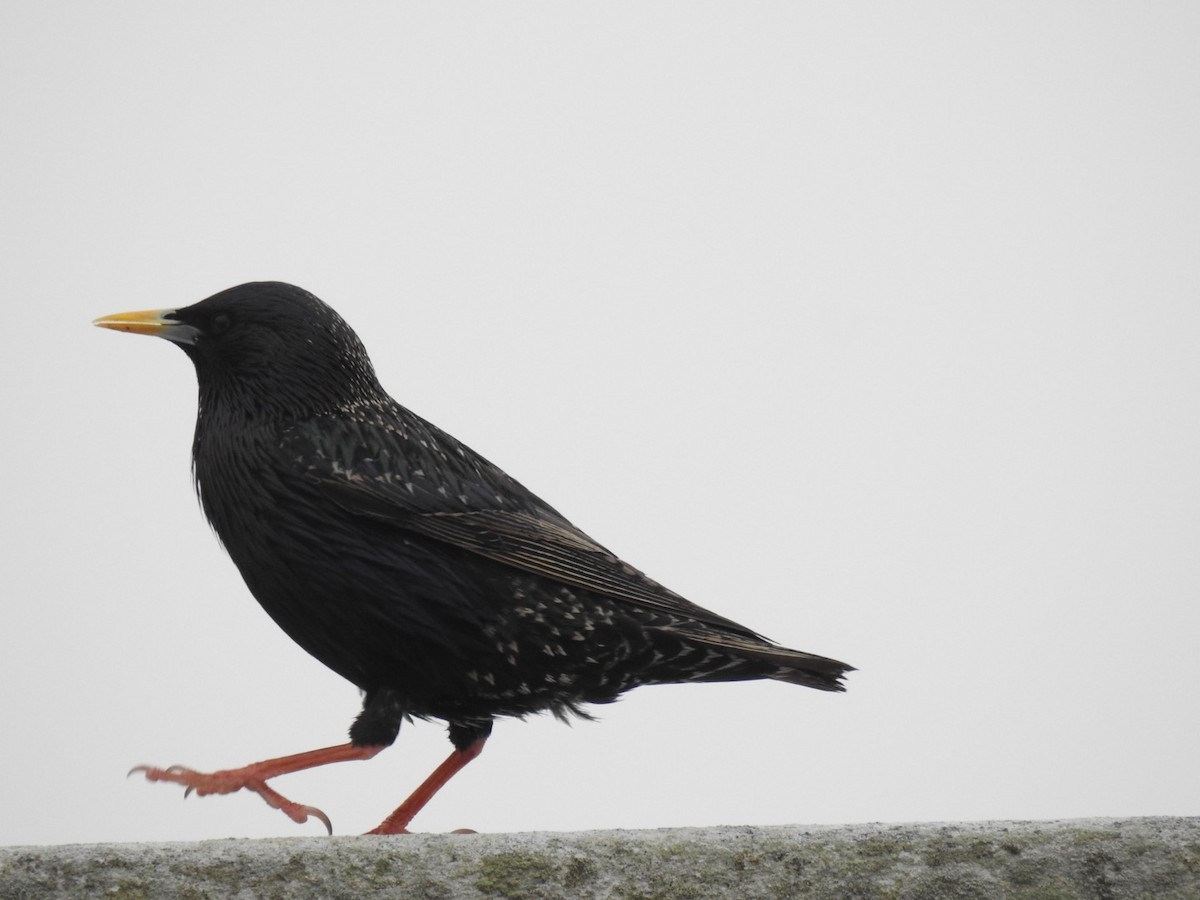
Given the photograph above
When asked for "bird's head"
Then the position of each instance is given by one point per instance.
(264, 349)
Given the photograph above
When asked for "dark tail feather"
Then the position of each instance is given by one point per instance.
(798, 667)
(812, 671)
(792, 666)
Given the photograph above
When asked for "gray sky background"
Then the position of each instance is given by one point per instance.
(875, 327)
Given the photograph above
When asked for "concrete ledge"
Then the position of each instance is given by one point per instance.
(1092, 858)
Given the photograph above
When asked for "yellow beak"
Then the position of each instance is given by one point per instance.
(150, 321)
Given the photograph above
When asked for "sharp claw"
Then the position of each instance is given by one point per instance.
(188, 792)
(317, 814)
(297, 812)
(137, 769)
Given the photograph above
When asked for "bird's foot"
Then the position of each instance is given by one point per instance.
(381, 829)
(227, 781)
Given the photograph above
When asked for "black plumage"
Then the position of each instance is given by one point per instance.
(406, 562)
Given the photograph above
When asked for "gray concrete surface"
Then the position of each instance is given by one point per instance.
(1093, 858)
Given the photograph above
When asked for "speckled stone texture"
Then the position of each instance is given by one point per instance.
(1093, 858)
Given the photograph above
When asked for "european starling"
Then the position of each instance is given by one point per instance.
(406, 562)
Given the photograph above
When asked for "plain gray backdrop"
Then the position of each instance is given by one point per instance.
(872, 326)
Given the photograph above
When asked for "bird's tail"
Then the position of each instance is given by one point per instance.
(766, 660)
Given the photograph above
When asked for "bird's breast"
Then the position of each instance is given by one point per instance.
(369, 600)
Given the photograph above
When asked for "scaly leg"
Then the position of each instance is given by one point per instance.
(397, 822)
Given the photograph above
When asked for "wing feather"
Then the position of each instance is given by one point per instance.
(541, 546)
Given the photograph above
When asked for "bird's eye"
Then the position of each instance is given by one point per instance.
(219, 324)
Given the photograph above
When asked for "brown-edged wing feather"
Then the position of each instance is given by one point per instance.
(542, 546)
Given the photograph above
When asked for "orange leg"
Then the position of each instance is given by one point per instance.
(254, 777)
(397, 822)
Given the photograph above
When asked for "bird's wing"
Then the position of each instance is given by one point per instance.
(419, 479)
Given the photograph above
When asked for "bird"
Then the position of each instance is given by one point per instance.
(408, 564)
